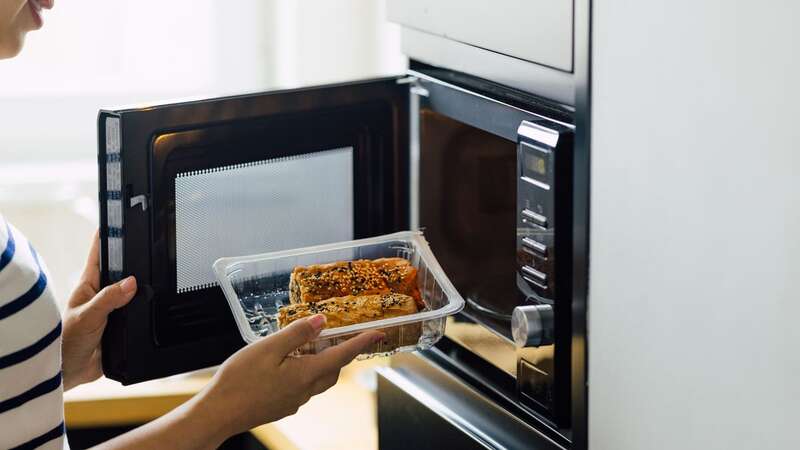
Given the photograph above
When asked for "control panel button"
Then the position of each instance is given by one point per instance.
(534, 276)
(535, 383)
(534, 218)
(536, 183)
(535, 246)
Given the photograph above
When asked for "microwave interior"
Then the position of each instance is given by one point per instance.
(186, 183)
(263, 185)
(468, 180)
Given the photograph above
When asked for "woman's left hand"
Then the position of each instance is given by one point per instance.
(85, 319)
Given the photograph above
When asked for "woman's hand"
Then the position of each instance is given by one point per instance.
(260, 383)
(263, 382)
(85, 319)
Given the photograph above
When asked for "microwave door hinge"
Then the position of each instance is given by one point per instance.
(140, 199)
(407, 80)
(415, 87)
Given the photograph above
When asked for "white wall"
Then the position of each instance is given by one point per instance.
(95, 53)
(695, 226)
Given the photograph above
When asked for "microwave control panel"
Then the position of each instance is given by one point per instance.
(538, 159)
(541, 326)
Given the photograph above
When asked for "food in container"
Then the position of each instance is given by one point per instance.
(361, 277)
(354, 309)
(257, 288)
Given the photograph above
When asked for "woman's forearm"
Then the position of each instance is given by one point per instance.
(193, 425)
(238, 398)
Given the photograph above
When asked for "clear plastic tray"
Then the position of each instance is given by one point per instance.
(257, 286)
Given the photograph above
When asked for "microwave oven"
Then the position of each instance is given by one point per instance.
(482, 168)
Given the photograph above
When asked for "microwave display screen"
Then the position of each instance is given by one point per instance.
(258, 207)
(535, 164)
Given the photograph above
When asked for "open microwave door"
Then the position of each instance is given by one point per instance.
(183, 184)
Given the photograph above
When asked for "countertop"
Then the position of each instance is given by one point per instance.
(344, 417)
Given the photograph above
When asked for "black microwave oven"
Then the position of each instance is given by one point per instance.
(483, 169)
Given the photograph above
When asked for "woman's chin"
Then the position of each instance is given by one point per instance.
(10, 46)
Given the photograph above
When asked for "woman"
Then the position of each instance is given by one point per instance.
(41, 355)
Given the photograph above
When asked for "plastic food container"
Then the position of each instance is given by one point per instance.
(257, 286)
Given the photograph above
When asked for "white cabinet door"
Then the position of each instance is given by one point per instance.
(539, 31)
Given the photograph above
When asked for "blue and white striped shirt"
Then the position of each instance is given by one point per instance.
(31, 391)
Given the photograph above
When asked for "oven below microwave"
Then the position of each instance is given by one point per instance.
(483, 169)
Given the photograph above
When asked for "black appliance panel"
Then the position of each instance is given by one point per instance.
(445, 412)
(479, 162)
(544, 251)
(143, 151)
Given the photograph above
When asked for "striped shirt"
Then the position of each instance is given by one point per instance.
(31, 392)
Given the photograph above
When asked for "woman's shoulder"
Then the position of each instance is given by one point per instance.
(28, 310)
(30, 347)
(20, 266)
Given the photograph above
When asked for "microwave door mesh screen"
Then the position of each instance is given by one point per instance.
(257, 207)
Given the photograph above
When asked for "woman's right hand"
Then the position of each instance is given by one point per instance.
(263, 382)
(260, 383)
